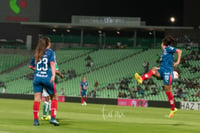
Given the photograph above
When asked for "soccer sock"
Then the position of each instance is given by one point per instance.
(45, 109)
(85, 99)
(82, 100)
(147, 75)
(49, 107)
(170, 99)
(36, 106)
(53, 108)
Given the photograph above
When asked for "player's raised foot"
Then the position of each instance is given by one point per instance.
(138, 78)
(85, 103)
(54, 122)
(172, 112)
(36, 122)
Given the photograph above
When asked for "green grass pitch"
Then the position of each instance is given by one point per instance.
(16, 117)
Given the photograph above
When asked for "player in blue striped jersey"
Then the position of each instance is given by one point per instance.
(43, 64)
(165, 71)
(83, 90)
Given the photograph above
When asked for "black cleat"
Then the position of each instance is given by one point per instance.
(36, 122)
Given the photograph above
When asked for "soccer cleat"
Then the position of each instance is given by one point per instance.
(85, 103)
(172, 112)
(138, 78)
(36, 122)
(54, 122)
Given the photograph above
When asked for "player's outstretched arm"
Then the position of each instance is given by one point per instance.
(86, 87)
(32, 67)
(179, 57)
(59, 74)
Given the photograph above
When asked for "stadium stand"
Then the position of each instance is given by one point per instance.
(113, 69)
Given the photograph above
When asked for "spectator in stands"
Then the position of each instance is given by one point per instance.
(122, 95)
(185, 93)
(73, 72)
(134, 91)
(2, 84)
(140, 91)
(108, 87)
(146, 66)
(62, 92)
(63, 72)
(68, 74)
(186, 64)
(193, 69)
(153, 91)
(29, 76)
(179, 92)
(4, 89)
(91, 65)
(88, 58)
(197, 93)
(96, 85)
(146, 88)
(93, 93)
(112, 87)
(88, 64)
(157, 58)
(120, 87)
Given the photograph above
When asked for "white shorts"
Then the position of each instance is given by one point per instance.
(44, 93)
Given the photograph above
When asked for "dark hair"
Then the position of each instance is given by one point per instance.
(41, 47)
(169, 40)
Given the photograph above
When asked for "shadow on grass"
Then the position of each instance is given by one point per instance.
(63, 122)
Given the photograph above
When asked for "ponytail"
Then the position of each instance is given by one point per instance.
(41, 48)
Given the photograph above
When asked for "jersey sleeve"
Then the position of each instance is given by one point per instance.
(171, 49)
(32, 62)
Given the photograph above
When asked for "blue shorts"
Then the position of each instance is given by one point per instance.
(167, 76)
(40, 83)
(84, 93)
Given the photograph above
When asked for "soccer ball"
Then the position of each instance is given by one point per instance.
(176, 75)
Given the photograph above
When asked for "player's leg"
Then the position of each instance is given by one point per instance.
(36, 107)
(54, 99)
(85, 100)
(82, 99)
(168, 79)
(170, 96)
(45, 105)
(54, 109)
(37, 99)
(45, 110)
(153, 71)
(49, 109)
